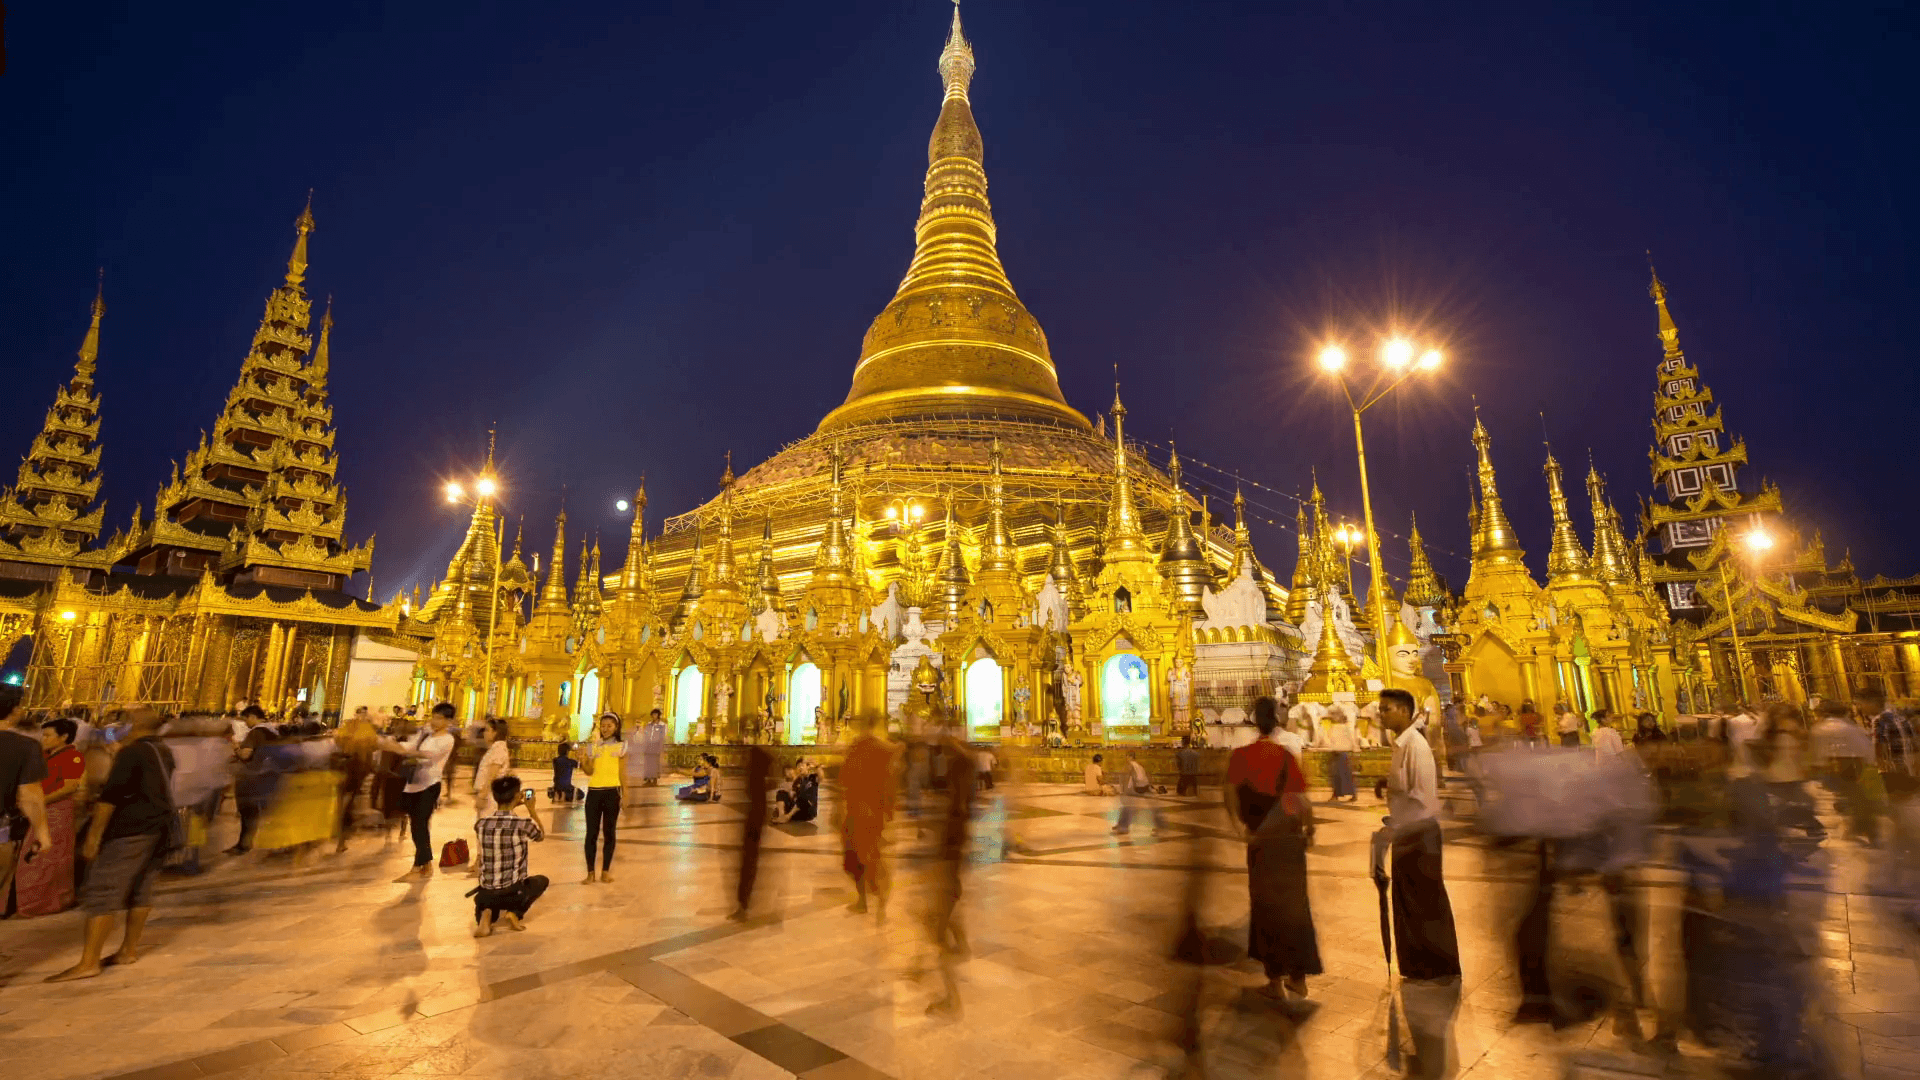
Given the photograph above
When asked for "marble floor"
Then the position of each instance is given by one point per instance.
(259, 968)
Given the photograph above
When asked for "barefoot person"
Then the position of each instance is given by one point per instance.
(506, 889)
(604, 756)
(1266, 797)
(125, 842)
(23, 812)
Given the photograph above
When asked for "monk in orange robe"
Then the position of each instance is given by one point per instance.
(866, 792)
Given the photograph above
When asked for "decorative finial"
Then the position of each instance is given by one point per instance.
(956, 60)
(90, 344)
(726, 477)
(1669, 333)
(297, 262)
(487, 469)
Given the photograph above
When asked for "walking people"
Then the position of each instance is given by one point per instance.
(1425, 945)
(1606, 741)
(126, 839)
(1266, 800)
(429, 752)
(256, 778)
(1893, 742)
(1843, 751)
(759, 767)
(983, 762)
(1340, 741)
(506, 890)
(866, 788)
(1566, 722)
(356, 743)
(603, 757)
(1187, 760)
(1139, 787)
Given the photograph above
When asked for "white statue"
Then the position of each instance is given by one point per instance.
(888, 613)
(659, 692)
(534, 706)
(769, 625)
(1180, 691)
(722, 700)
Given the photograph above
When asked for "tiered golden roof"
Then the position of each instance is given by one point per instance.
(49, 514)
(258, 502)
(1423, 585)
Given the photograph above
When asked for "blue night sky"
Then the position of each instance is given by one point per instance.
(639, 235)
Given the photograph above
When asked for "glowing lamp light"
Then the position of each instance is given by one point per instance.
(914, 511)
(1430, 359)
(1396, 355)
(892, 512)
(1759, 541)
(621, 505)
(485, 486)
(455, 492)
(1333, 358)
(69, 615)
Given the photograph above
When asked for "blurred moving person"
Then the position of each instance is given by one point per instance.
(1266, 799)
(866, 797)
(1844, 753)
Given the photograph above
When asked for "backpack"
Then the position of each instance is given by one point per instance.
(454, 853)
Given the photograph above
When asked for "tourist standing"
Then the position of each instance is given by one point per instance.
(496, 761)
(866, 787)
(1566, 722)
(603, 758)
(653, 748)
(506, 889)
(124, 845)
(429, 752)
(983, 763)
(1266, 799)
(43, 885)
(1187, 759)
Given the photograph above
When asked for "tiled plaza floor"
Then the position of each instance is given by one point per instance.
(258, 969)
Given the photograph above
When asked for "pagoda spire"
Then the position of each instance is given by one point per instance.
(1332, 669)
(323, 361)
(696, 584)
(954, 583)
(955, 340)
(997, 556)
(634, 568)
(1060, 568)
(1300, 589)
(833, 563)
(1182, 563)
(1126, 538)
(723, 571)
(1423, 585)
(767, 589)
(1610, 560)
(553, 594)
(1567, 560)
(1495, 541)
(1669, 333)
(297, 262)
(49, 513)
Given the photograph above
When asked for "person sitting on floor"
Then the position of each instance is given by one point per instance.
(701, 790)
(1097, 780)
(783, 800)
(806, 792)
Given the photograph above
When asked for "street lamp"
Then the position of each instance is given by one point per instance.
(1757, 541)
(1400, 360)
(1348, 536)
(484, 488)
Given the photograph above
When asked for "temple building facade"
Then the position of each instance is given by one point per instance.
(234, 588)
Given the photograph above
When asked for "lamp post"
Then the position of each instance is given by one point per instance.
(1397, 364)
(1756, 541)
(485, 487)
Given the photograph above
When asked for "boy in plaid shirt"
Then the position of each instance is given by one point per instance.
(506, 889)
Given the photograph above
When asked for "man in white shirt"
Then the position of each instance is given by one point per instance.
(1742, 728)
(1424, 940)
(1096, 778)
(428, 752)
(1136, 797)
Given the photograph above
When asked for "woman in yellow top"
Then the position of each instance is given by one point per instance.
(602, 758)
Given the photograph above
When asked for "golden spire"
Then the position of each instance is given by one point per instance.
(1423, 585)
(956, 60)
(1567, 560)
(1060, 569)
(1182, 563)
(1495, 540)
(553, 595)
(297, 262)
(317, 368)
(632, 569)
(997, 556)
(1126, 539)
(954, 582)
(696, 583)
(1300, 589)
(833, 562)
(1669, 333)
(585, 582)
(1332, 669)
(1609, 550)
(955, 340)
(768, 587)
(90, 345)
(723, 547)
